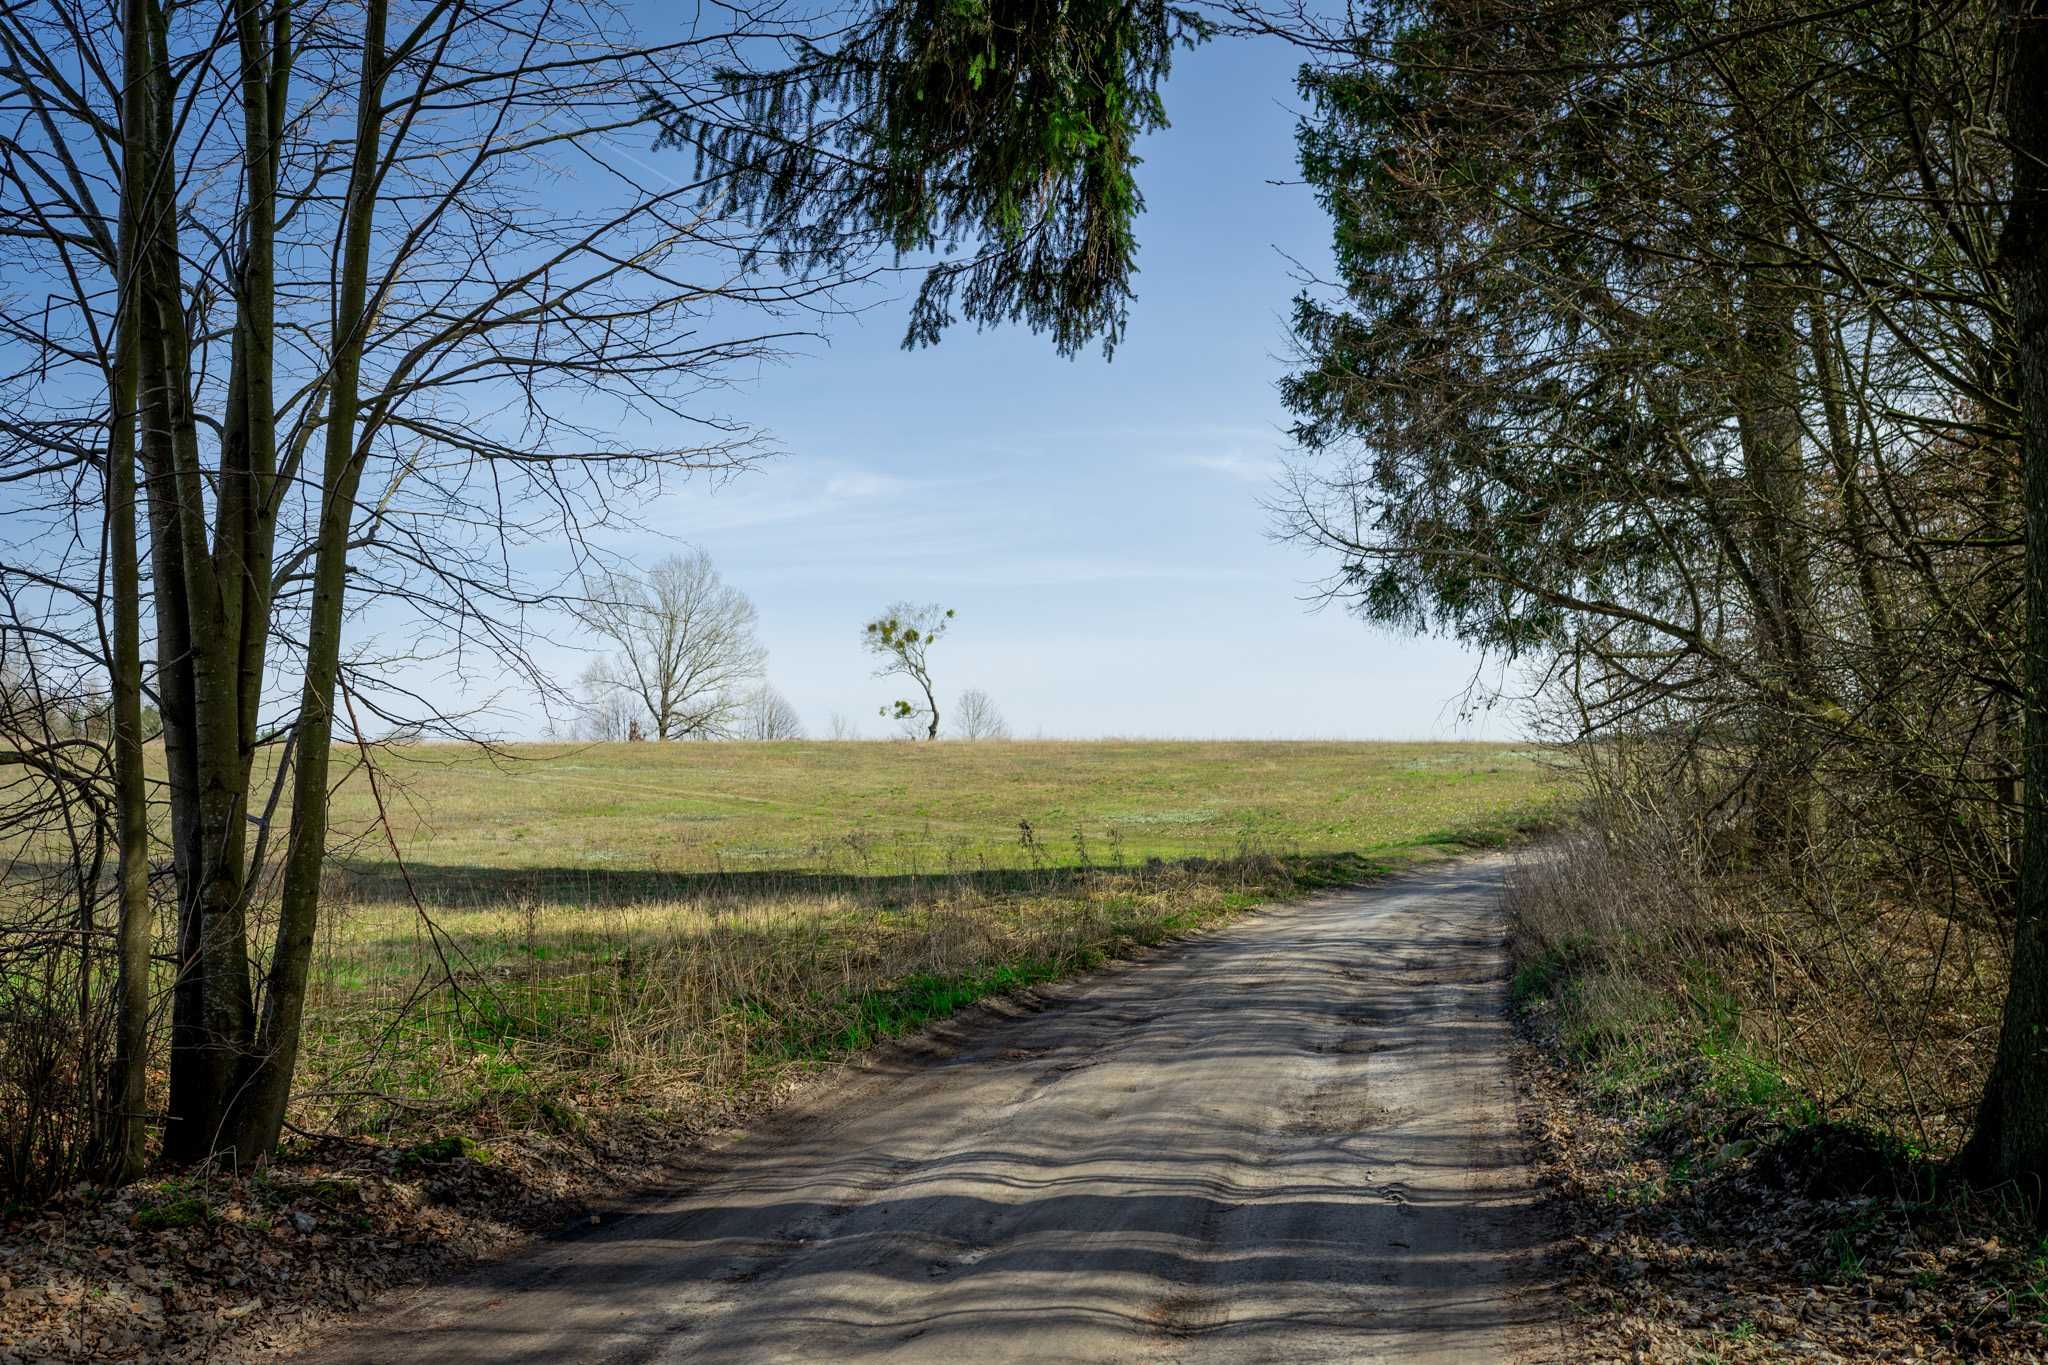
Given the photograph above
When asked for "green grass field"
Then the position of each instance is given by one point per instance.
(607, 820)
(574, 920)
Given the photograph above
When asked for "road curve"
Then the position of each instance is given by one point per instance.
(1291, 1140)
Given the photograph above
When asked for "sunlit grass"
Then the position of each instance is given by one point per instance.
(565, 924)
(903, 808)
(611, 917)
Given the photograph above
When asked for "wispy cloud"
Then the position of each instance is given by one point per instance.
(860, 485)
(1054, 570)
(1248, 468)
(827, 491)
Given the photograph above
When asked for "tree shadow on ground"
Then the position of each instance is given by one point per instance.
(458, 886)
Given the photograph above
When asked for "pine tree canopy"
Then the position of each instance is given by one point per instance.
(999, 135)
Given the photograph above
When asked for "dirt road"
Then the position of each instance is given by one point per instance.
(1293, 1140)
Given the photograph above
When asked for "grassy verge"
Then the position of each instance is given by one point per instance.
(1734, 1188)
(545, 1016)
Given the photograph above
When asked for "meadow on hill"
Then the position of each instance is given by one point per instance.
(547, 924)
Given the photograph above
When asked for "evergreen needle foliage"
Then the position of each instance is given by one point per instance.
(1006, 126)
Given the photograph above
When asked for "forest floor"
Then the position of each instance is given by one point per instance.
(1701, 1222)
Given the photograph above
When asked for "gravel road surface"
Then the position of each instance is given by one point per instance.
(1292, 1140)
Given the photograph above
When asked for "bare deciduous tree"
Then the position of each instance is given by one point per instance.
(686, 649)
(607, 710)
(767, 714)
(975, 717)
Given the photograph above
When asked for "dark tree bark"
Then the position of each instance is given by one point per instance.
(2011, 1138)
(1767, 385)
(266, 1084)
(128, 1095)
(211, 1004)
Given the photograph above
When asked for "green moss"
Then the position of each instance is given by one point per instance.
(173, 1205)
(442, 1150)
(333, 1191)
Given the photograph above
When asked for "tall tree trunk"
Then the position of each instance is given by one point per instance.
(226, 1011)
(202, 1060)
(243, 561)
(213, 573)
(128, 1093)
(2011, 1138)
(1779, 549)
(267, 1086)
(1766, 396)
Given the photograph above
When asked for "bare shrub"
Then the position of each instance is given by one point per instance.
(53, 1038)
(59, 973)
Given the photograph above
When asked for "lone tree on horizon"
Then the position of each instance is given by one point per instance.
(686, 653)
(976, 716)
(903, 637)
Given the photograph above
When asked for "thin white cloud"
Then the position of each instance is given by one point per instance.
(1051, 570)
(1249, 468)
(814, 490)
(864, 484)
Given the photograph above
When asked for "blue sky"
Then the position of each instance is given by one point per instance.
(1096, 525)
